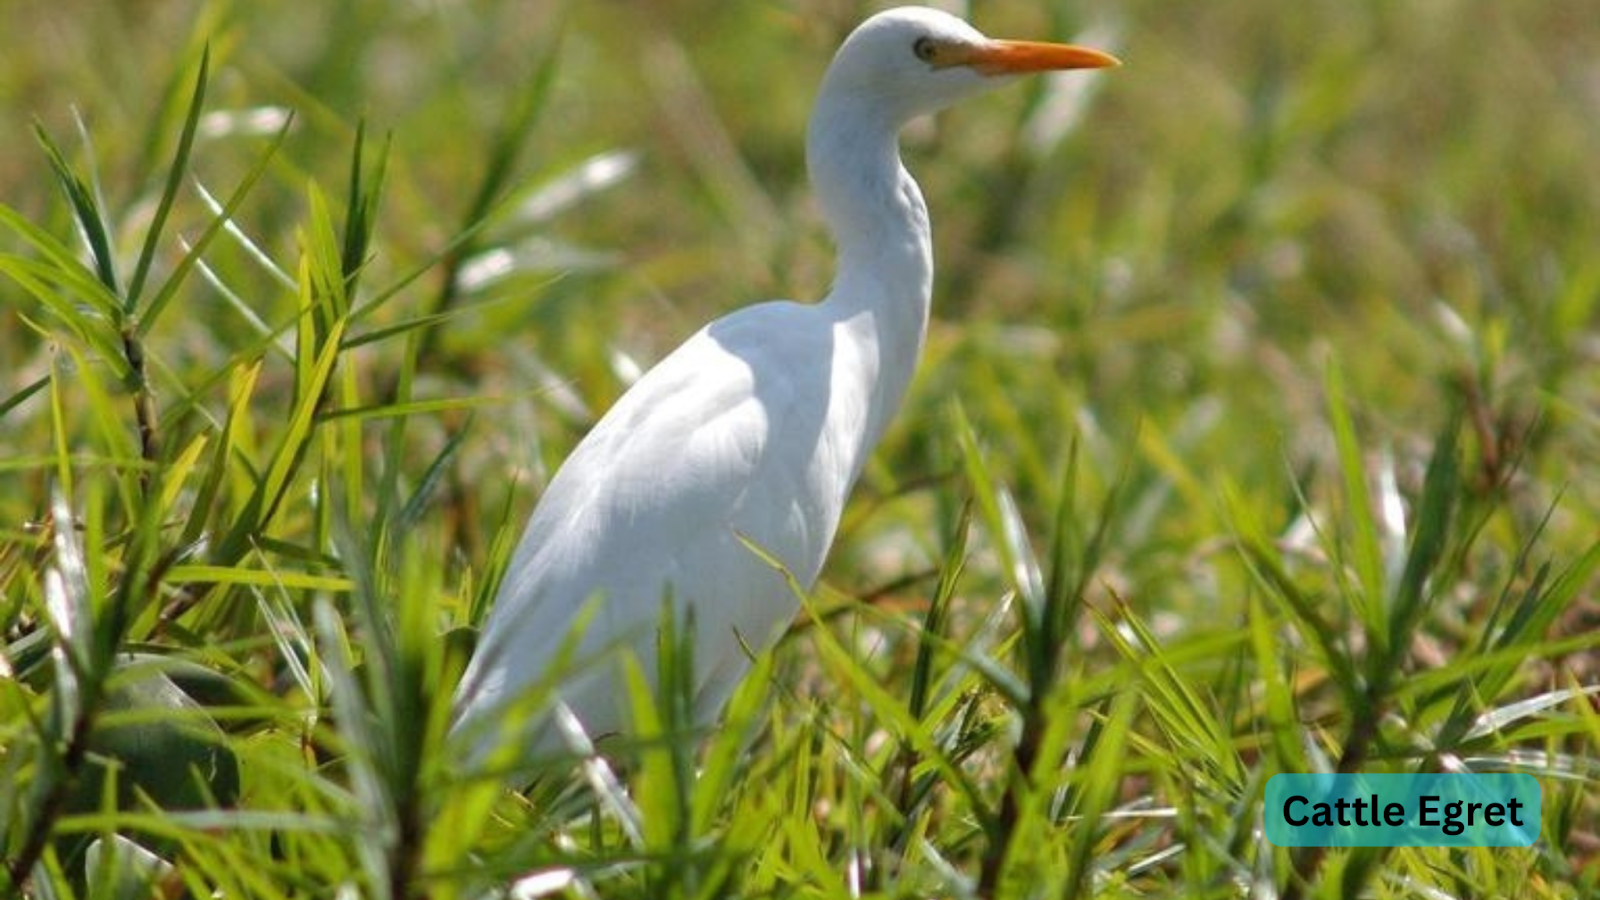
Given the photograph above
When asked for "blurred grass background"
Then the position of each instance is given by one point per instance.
(1273, 219)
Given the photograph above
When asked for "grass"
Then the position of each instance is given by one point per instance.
(1256, 433)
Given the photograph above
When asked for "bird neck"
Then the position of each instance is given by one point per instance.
(879, 223)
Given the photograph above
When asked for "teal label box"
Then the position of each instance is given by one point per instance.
(1427, 810)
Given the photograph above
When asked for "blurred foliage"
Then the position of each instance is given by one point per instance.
(1258, 431)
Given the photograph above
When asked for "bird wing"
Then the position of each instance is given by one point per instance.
(715, 442)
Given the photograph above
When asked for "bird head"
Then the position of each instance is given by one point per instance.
(913, 60)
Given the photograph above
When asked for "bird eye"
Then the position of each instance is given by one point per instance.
(925, 49)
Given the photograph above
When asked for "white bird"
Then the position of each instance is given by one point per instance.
(756, 428)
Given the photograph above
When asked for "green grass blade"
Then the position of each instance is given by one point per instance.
(1005, 532)
(202, 508)
(933, 622)
(1440, 488)
(169, 193)
(63, 267)
(86, 210)
(22, 394)
(1098, 786)
(361, 209)
(286, 460)
(1365, 547)
(195, 253)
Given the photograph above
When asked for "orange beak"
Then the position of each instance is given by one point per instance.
(1021, 57)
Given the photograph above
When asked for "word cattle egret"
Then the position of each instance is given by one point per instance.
(752, 433)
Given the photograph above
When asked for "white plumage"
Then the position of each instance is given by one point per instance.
(757, 426)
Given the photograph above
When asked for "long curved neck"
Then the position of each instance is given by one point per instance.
(879, 222)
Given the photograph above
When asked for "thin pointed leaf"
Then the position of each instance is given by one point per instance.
(1440, 486)
(1366, 549)
(87, 213)
(411, 514)
(360, 212)
(1001, 527)
(211, 484)
(169, 193)
(22, 394)
(195, 252)
(40, 279)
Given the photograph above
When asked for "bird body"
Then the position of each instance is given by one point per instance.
(754, 430)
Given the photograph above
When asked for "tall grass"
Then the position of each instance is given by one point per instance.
(1256, 434)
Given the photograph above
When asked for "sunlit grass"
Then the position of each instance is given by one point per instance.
(1257, 432)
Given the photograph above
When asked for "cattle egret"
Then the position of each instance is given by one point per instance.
(752, 433)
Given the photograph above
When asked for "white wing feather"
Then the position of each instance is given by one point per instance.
(716, 441)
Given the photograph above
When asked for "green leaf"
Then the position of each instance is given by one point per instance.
(86, 209)
(361, 209)
(1440, 487)
(223, 451)
(41, 281)
(1365, 548)
(175, 173)
(194, 255)
(22, 394)
(165, 747)
(285, 461)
